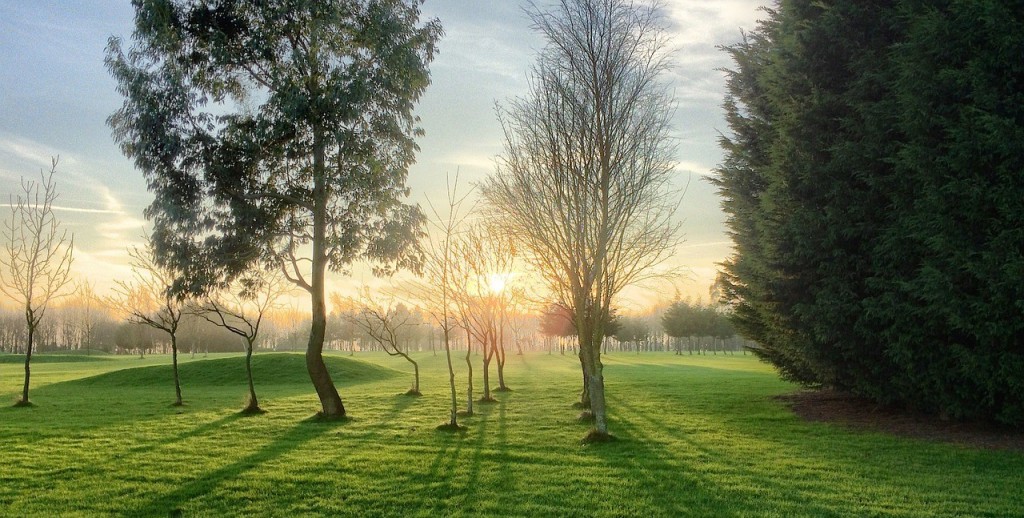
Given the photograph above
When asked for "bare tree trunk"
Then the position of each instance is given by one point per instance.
(488, 354)
(174, 365)
(28, 361)
(416, 368)
(597, 400)
(469, 375)
(501, 361)
(585, 393)
(451, 377)
(254, 404)
(415, 391)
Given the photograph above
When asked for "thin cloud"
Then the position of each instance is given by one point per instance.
(88, 211)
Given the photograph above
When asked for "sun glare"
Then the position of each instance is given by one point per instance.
(497, 281)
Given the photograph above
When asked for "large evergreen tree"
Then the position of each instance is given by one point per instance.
(279, 131)
(872, 181)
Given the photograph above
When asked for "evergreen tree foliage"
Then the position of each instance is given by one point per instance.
(873, 185)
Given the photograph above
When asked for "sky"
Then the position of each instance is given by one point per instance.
(55, 96)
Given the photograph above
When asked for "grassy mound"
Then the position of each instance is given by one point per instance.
(268, 369)
(53, 358)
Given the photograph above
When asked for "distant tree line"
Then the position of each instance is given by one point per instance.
(872, 181)
(683, 326)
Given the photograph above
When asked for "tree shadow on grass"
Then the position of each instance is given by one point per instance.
(175, 501)
(654, 475)
(444, 463)
(664, 471)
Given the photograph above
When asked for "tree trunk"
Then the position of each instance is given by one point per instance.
(416, 370)
(330, 400)
(585, 393)
(597, 400)
(488, 354)
(174, 367)
(28, 361)
(469, 375)
(254, 404)
(591, 354)
(501, 360)
(451, 377)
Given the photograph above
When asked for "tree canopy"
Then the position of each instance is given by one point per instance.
(279, 131)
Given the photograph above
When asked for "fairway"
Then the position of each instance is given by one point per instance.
(696, 436)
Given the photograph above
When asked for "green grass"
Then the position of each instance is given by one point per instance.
(696, 436)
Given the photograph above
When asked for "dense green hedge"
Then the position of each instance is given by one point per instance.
(874, 181)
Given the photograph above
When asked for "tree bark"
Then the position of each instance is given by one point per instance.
(254, 404)
(451, 376)
(28, 361)
(597, 400)
(330, 400)
(501, 360)
(416, 368)
(488, 350)
(591, 354)
(469, 373)
(174, 367)
(585, 393)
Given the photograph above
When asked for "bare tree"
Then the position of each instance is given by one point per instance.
(584, 177)
(486, 257)
(37, 257)
(87, 302)
(384, 323)
(438, 286)
(147, 299)
(240, 309)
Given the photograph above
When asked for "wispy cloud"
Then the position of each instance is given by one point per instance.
(87, 211)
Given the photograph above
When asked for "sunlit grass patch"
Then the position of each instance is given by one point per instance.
(694, 436)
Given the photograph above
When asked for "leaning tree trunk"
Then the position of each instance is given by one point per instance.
(330, 400)
(174, 367)
(254, 404)
(416, 371)
(28, 361)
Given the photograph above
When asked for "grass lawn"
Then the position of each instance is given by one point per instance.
(697, 436)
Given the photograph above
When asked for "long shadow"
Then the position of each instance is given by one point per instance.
(173, 502)
(663, 459)
(655, 475)
(475, 457)
(200, 430)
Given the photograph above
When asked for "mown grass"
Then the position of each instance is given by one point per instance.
(696, 436)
